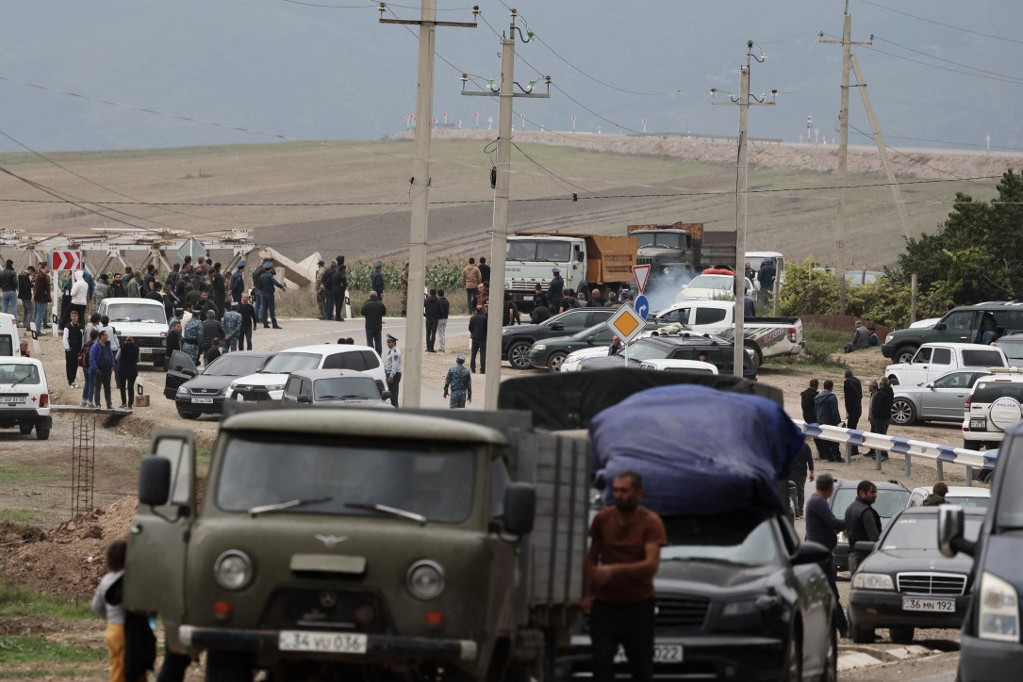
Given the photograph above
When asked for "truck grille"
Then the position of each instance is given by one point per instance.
(644, 260)
(246, 393)
(146, 341)
(326, 607)
(682, 612)
(942, 584)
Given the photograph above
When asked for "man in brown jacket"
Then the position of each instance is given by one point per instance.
(41, 295)
(471, 278)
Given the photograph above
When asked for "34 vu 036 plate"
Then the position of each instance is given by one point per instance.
(934, 605)
(663, 653)
(323, 642)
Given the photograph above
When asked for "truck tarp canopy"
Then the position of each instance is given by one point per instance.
(570, 400)
(700, 451)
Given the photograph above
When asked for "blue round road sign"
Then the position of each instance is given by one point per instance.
(642, 306)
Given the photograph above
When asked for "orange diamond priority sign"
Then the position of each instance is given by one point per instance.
(626, 323)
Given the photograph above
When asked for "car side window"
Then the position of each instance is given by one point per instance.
(575, 319)
(1014, 320)
(922, 355)
(709, 315)
(292, 387)
(671, 316)
(370, 359)
(962, 320)
(941, 356)
(346, 360)
(307, 387)
(956, 380)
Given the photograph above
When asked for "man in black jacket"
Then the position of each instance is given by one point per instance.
(25, 295)
(339, 284)
(9, 286)
(373, 311)
(826, 410)
(806, 399)
(862, 522)
(801, 467)
(880, 410)
(853, 392)
(478, 334)
(443, 311)
(431, 311)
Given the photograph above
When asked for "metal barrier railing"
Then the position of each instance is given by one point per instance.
(894, 445)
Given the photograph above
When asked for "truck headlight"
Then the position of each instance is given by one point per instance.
(888, 339)
(999, 610)
(275, 387)
(425, 579)
(233, 569)
(873, 581)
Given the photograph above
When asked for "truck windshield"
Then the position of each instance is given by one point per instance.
(744, 539)
(414, 477)
(136, 312)
(539, 251)
(664, 240)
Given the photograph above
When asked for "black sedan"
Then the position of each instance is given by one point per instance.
(738, 597)
(906, 583)
(195, 393)
(892, 497)
(550, 353)
(517, 339)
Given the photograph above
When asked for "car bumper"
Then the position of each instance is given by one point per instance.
(378, 647)
(13, 416)
(711, 657)
(982, 660)
(538, 360)
(888, 349)
(186, 405)
(875, 609)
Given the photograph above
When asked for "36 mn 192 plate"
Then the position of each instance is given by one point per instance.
(931, 605)
(322, 642)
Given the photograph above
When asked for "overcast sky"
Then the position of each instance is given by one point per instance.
(118, 74)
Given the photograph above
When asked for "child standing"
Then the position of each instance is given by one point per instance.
(113, 613)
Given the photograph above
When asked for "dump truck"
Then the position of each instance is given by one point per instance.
(682, 246)
(584, 260)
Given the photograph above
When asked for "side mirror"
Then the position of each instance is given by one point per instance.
(950, 531)
(940, 326)
(519, 508)
(810, 553)
(304, 398)
(558, 326)
(191, 372)
(154, 480)
(865, 546)
(386, 395)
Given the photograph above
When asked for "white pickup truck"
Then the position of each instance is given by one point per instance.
(935, 359)
(766, 337)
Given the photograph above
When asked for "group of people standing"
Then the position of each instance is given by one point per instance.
(820, 406)
(30, 289)
(95, 348)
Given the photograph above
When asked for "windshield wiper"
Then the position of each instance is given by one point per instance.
(24, 378)
(288, 504)
(393, 511)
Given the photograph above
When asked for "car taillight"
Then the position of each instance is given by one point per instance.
(792, 334)
(44, 400)
(969, 401)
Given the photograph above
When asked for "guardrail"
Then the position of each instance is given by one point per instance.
(894, 445)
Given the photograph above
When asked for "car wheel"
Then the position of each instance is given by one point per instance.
(793, 659)
(42, 432)
(518, 355)
(904, 354)
(188, 415)
(861, 635)
(903, 412)
(902, 634)
(228, 666)
(972, 444)
(758, 355)
(555, 360)
(984, 475)
(830, 672)
(25, 429)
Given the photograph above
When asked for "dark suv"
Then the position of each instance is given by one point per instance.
(892, 497)
(681, 347)
(517, 339)
(966, 324)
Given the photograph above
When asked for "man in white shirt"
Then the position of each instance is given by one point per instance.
(392, 366)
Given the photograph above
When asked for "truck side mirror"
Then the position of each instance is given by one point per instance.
(950, 531)
(940, 326)
(304, 398)
(154, 480)
(519, 508)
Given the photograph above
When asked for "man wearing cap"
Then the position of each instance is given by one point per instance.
(392, 367)
(471, 278)
(237, 284)
(267, 282)
(232, 324)
(555, 291)
(321, 291)
(459, 381)
(373, 311)
(376, 279)
(339, 286)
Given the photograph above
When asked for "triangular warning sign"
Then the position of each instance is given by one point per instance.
(642, 274)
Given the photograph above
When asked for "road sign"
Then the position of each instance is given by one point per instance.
(642, 306)
(626, 323)
(192, 247)
(642, 275)
(66, 260)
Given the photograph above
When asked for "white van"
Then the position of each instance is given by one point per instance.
(9, 343)
(143, 319)
(268, 383)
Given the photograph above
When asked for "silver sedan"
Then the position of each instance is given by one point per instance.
(940, 400)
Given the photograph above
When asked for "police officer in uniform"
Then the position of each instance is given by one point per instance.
(459, 381)
(392, 367)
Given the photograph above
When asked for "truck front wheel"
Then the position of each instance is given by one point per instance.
(228, 666)
(904, 354)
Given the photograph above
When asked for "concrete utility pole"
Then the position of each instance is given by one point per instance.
(744, 101)
(502, 186)
(411, 375)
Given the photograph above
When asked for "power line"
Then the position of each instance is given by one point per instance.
(938, 23)
(949, 61)
(1012, 81)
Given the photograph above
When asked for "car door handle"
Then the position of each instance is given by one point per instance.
(136, 528)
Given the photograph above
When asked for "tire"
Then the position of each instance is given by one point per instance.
(830, 672)
(904, 354)
(758, 355)
(42, 432)
(972, 444)
(188, 415)
(861, 635)
(228, 666)
(793, 671)
(903, 412)
(518, 355)
(554, 361)
(25, 429)
(902, 634)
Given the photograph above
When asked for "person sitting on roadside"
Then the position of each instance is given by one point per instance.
(861, 338)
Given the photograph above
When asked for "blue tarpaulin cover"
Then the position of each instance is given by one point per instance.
(700, 451)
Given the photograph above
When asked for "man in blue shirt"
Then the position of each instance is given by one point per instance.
(822, 527)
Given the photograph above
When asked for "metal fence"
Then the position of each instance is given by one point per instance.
(894, 445)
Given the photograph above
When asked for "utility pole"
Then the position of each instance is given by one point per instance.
(743, 101)
(502, 187)
(411, 375)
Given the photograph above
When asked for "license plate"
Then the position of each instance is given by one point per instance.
(325, 642)
(978, 423)
(663, 653)
(202, 401)
(12, 399)
(146, 351)
(935, 605)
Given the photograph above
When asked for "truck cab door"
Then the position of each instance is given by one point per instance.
(155, 565)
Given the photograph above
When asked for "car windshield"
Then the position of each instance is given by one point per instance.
(286, 363)
(888, 503)
(723, 282)
(233, 365)
(533, 251)
(337, 388)
(17, 373)
(136, 312)
(347, 476)
(920, 531)
(1013, 349)
(743, 539)
(643, 350)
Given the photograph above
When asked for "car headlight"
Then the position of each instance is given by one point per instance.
(222, 391)
(539, 346)
(182, 390)
(425, 579)
(233, 569)
(275, 387)
(888, 339)
(873, 581)
(999, 610)
(842, 537)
